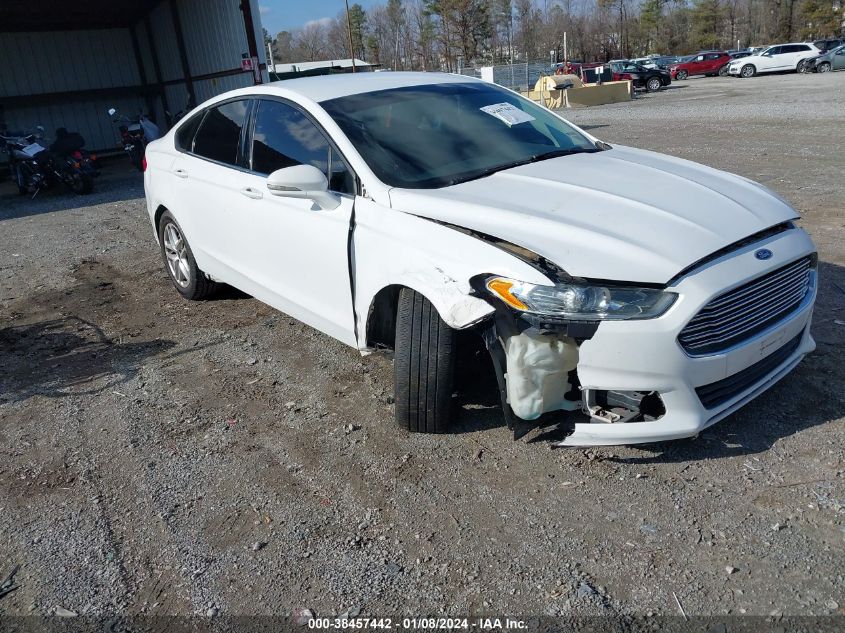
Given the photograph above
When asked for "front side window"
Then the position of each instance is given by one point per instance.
(436, 135)
(284, 137)
(219, 135)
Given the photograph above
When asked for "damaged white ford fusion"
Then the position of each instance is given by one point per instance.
(648, 296)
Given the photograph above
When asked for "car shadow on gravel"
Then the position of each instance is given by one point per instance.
(67, 357)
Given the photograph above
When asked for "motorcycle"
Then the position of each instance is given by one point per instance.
(35, 167)
(135, 135)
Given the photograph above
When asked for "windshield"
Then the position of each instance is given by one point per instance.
(435, 135)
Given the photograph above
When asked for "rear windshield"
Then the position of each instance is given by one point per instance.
(437, 135)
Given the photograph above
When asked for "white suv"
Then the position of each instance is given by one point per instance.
(773, 59)
(646, 295)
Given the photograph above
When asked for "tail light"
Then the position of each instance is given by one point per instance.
(92, 157)
(77, 154)
(143, 163)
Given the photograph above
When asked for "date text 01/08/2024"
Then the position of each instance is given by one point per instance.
(418, 623)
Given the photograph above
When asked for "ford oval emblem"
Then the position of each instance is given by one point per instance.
(763, 253)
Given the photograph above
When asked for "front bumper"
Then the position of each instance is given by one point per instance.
(734, 70)
(646, 356)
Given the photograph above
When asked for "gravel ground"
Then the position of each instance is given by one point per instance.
(166, 457)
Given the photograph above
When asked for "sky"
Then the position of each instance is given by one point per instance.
(284, 15)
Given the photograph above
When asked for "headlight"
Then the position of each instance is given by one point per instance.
(581, 302)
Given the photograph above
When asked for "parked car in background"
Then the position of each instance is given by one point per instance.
(831, 60)
(782, 57)
(828, 45)
(707, 63)
(651, 79)
(739, 54)
(665, 61)
(390, 210)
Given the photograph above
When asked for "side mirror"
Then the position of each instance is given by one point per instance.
(303, 181)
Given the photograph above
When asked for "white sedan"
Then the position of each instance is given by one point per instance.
(647, 296)
(774, 59)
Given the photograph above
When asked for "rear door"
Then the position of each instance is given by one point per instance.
(798, 53)
(211, 204)
(711, 63)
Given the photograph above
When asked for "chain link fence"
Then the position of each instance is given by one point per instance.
(520, 76)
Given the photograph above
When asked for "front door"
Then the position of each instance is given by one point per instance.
(295, 252)
(838, 61)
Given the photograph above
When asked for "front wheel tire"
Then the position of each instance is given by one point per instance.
(653, 84)
(823, 68)
(682, 74)
(423, 366)
(748, 71)
(189, 280)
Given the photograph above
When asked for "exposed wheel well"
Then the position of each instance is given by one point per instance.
(381, 319)
(157, 218)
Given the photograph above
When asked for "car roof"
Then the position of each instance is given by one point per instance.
(325, 87)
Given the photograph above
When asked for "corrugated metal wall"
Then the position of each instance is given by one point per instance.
(60, 62)
(38, 63)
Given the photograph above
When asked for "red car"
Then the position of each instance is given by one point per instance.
(710, 63)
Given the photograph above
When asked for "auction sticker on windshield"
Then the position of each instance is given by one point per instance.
(508, 113)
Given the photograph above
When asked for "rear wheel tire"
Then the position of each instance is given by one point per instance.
(802, 67)
(81, 183)
(723, 71)
(748, 71)
(423, 366)
(189, 280)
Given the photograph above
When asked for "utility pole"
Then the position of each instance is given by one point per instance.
(270, 56)
(349, 28)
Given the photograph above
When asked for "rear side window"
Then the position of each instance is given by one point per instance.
(185, 133)
(219, 135)
(284, 137)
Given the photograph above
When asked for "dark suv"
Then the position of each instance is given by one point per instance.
(828, 45)
(652, 79)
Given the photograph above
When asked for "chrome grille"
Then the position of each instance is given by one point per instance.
(738, 314)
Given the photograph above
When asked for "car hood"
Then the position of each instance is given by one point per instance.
(746, 59)
(621, 214)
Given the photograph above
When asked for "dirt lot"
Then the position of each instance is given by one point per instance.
(166, 457)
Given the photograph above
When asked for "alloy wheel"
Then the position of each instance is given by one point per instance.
(176, 252)
(747, 71)
(824, 68)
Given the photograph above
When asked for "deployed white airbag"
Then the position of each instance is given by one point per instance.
(538, 367)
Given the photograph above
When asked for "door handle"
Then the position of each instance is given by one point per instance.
(249, 192)
(181, 173)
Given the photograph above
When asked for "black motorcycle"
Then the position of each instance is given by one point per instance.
(35, 167)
